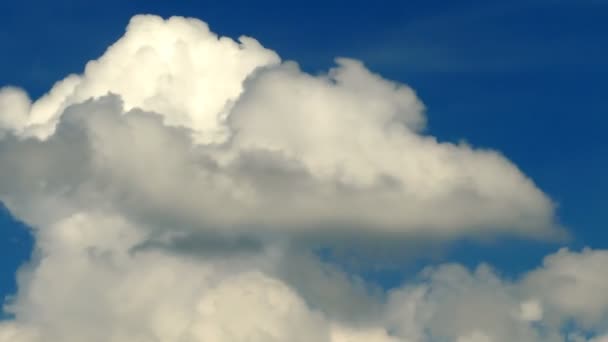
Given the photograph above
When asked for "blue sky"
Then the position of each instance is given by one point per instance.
(527, 78)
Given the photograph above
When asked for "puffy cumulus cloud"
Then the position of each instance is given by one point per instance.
(14, 106)
(174, 67)
(451, 303)
(90, 281)
(574, 285)
(174, 124)
(358, 136)
(89, 284)
(167, 183)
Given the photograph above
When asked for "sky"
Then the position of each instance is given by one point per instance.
(454, 133)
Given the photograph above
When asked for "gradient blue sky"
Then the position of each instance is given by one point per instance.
(528, 78)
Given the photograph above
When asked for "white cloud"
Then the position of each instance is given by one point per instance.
(90, 285)
(574, 285)
(176, 68)
(166, 182)
(91, 282)
(15, 107)
(209, 133)
(450, 303)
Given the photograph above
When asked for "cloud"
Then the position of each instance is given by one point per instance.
(176, 68)
(175, 125)
(170, 185)
(574, 285)
(451, 303)
(89, 283)
(89, 286)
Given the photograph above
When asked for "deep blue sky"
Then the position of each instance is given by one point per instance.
(528, 78)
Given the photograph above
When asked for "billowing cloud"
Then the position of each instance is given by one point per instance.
(173, 124)
(176, 68)
(91, 282)
(167, 183)
(574, 285)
